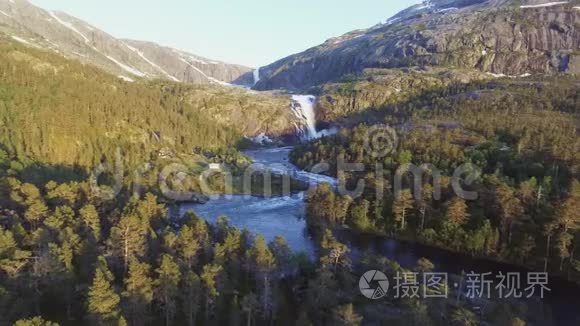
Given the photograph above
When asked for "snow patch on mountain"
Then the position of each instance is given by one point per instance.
(156, 66)
(21, 40)
(446, 9)
(549, 4)
(211, 79)
(391, 21)
(127, 68)
(192, 66)
(5, 14)
(425, 5)
(509, 76)
(25, 41)
(53, 45)
(69, 26)
(217, 81)
(127, 79)
(197, 60)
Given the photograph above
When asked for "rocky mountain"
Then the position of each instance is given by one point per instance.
(128, 59)
(498, 37)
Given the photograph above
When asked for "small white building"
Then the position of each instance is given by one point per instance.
(215, 166)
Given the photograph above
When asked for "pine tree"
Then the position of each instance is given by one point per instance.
(282, 252)
(90, 217)
(128, 239)
(457, 212)
(425, 205)
(334, 253)
(264, 263)
(346, 316)
(103, 301)
(191, 296)
(262, 256)
(188, 246)
(564, 242)
(12, 258)
(321, 295)
(36, 321)
(228, 253)
(209, 278)
(549, 230)
(510, 209)
(150, 212)
(138, 292)
(463, 317)
(359, 215)
(401, 207)
(569, 212)
(424, 265)
(167, 283)
(249, 305)
(29, 197)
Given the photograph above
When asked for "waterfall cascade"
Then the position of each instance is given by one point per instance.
(305, 111)
(256, 75)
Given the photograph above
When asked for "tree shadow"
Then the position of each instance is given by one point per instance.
(41, 174)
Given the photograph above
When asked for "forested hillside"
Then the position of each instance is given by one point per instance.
(64, 112)
(74, 260)
(522, 134)
(59, 111)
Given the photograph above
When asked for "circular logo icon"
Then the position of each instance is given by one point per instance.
(374, 284)
(380, 141)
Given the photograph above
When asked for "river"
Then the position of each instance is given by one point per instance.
(285, 216)
(267, 216)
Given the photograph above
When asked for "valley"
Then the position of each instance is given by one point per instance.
(142, 185)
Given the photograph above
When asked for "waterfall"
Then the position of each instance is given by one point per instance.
(256, 75)
(305, 111)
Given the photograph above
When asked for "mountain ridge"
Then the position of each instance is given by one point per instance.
(500, 37)
(128, 59)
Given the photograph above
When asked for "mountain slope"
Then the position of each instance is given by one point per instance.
(128, 59)
(60, 111)
(510, 37)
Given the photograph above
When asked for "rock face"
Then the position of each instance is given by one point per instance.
(510, 37)
(344, 103)
(127, 59)
(250, 113)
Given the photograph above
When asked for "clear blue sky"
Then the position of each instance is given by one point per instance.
(248, 32)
